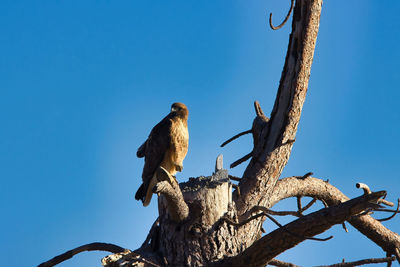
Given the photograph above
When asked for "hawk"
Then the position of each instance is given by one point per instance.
(165, 147)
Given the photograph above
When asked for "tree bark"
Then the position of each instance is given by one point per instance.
(313, 187)
(271, 153)
(271, 245)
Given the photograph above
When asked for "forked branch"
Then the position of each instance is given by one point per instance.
(274, 243)
(292, 187)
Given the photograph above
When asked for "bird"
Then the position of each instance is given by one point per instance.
(166, 147)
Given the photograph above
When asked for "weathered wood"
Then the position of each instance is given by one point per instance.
(202, 237)
(272, 151)
(281, 239)
(170, 193)
(317, 188)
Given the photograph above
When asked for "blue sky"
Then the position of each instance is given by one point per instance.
(83, 82)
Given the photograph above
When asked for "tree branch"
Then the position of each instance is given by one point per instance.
(169, 188)
(361, 262)
(88, 247)
(235, 137)
(292, 187)
(281, 239)
(269, 156)
(177, 207)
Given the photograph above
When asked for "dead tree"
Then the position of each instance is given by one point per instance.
(210, 221)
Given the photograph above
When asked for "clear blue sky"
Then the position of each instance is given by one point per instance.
(83, 82)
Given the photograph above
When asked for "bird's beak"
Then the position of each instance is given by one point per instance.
(173, 109)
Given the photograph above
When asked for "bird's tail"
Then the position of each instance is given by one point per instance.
(149, 190)
(145, 191)
(139, 193)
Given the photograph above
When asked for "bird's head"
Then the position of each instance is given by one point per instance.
(180, 109)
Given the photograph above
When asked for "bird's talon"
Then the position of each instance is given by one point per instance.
(178, 167)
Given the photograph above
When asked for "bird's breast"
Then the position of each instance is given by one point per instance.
(180, 132)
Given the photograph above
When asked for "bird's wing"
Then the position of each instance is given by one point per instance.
(157, 145)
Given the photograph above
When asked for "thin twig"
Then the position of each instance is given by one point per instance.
(387, 203)
(308, 174)
(294, 234)
(288, 142)
(150, 234)
(344, 227)
(385, 210)
(394, 214)
(88, 247)
(361, 262)
(238, 224)
(235, 137)
(234, 178)
(284, 21)
(280, 213)
(324, 203)
(241, 160)
(299, 208)
(306, 207)
(284, 213)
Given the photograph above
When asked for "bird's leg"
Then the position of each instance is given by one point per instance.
(164, 175)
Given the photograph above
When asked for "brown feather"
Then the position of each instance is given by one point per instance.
(166, 146)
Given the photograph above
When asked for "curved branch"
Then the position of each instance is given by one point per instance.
(394, 213)
(88, 247)
(292, 187)
(284, 21)
(169, 188)
(177, 208)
